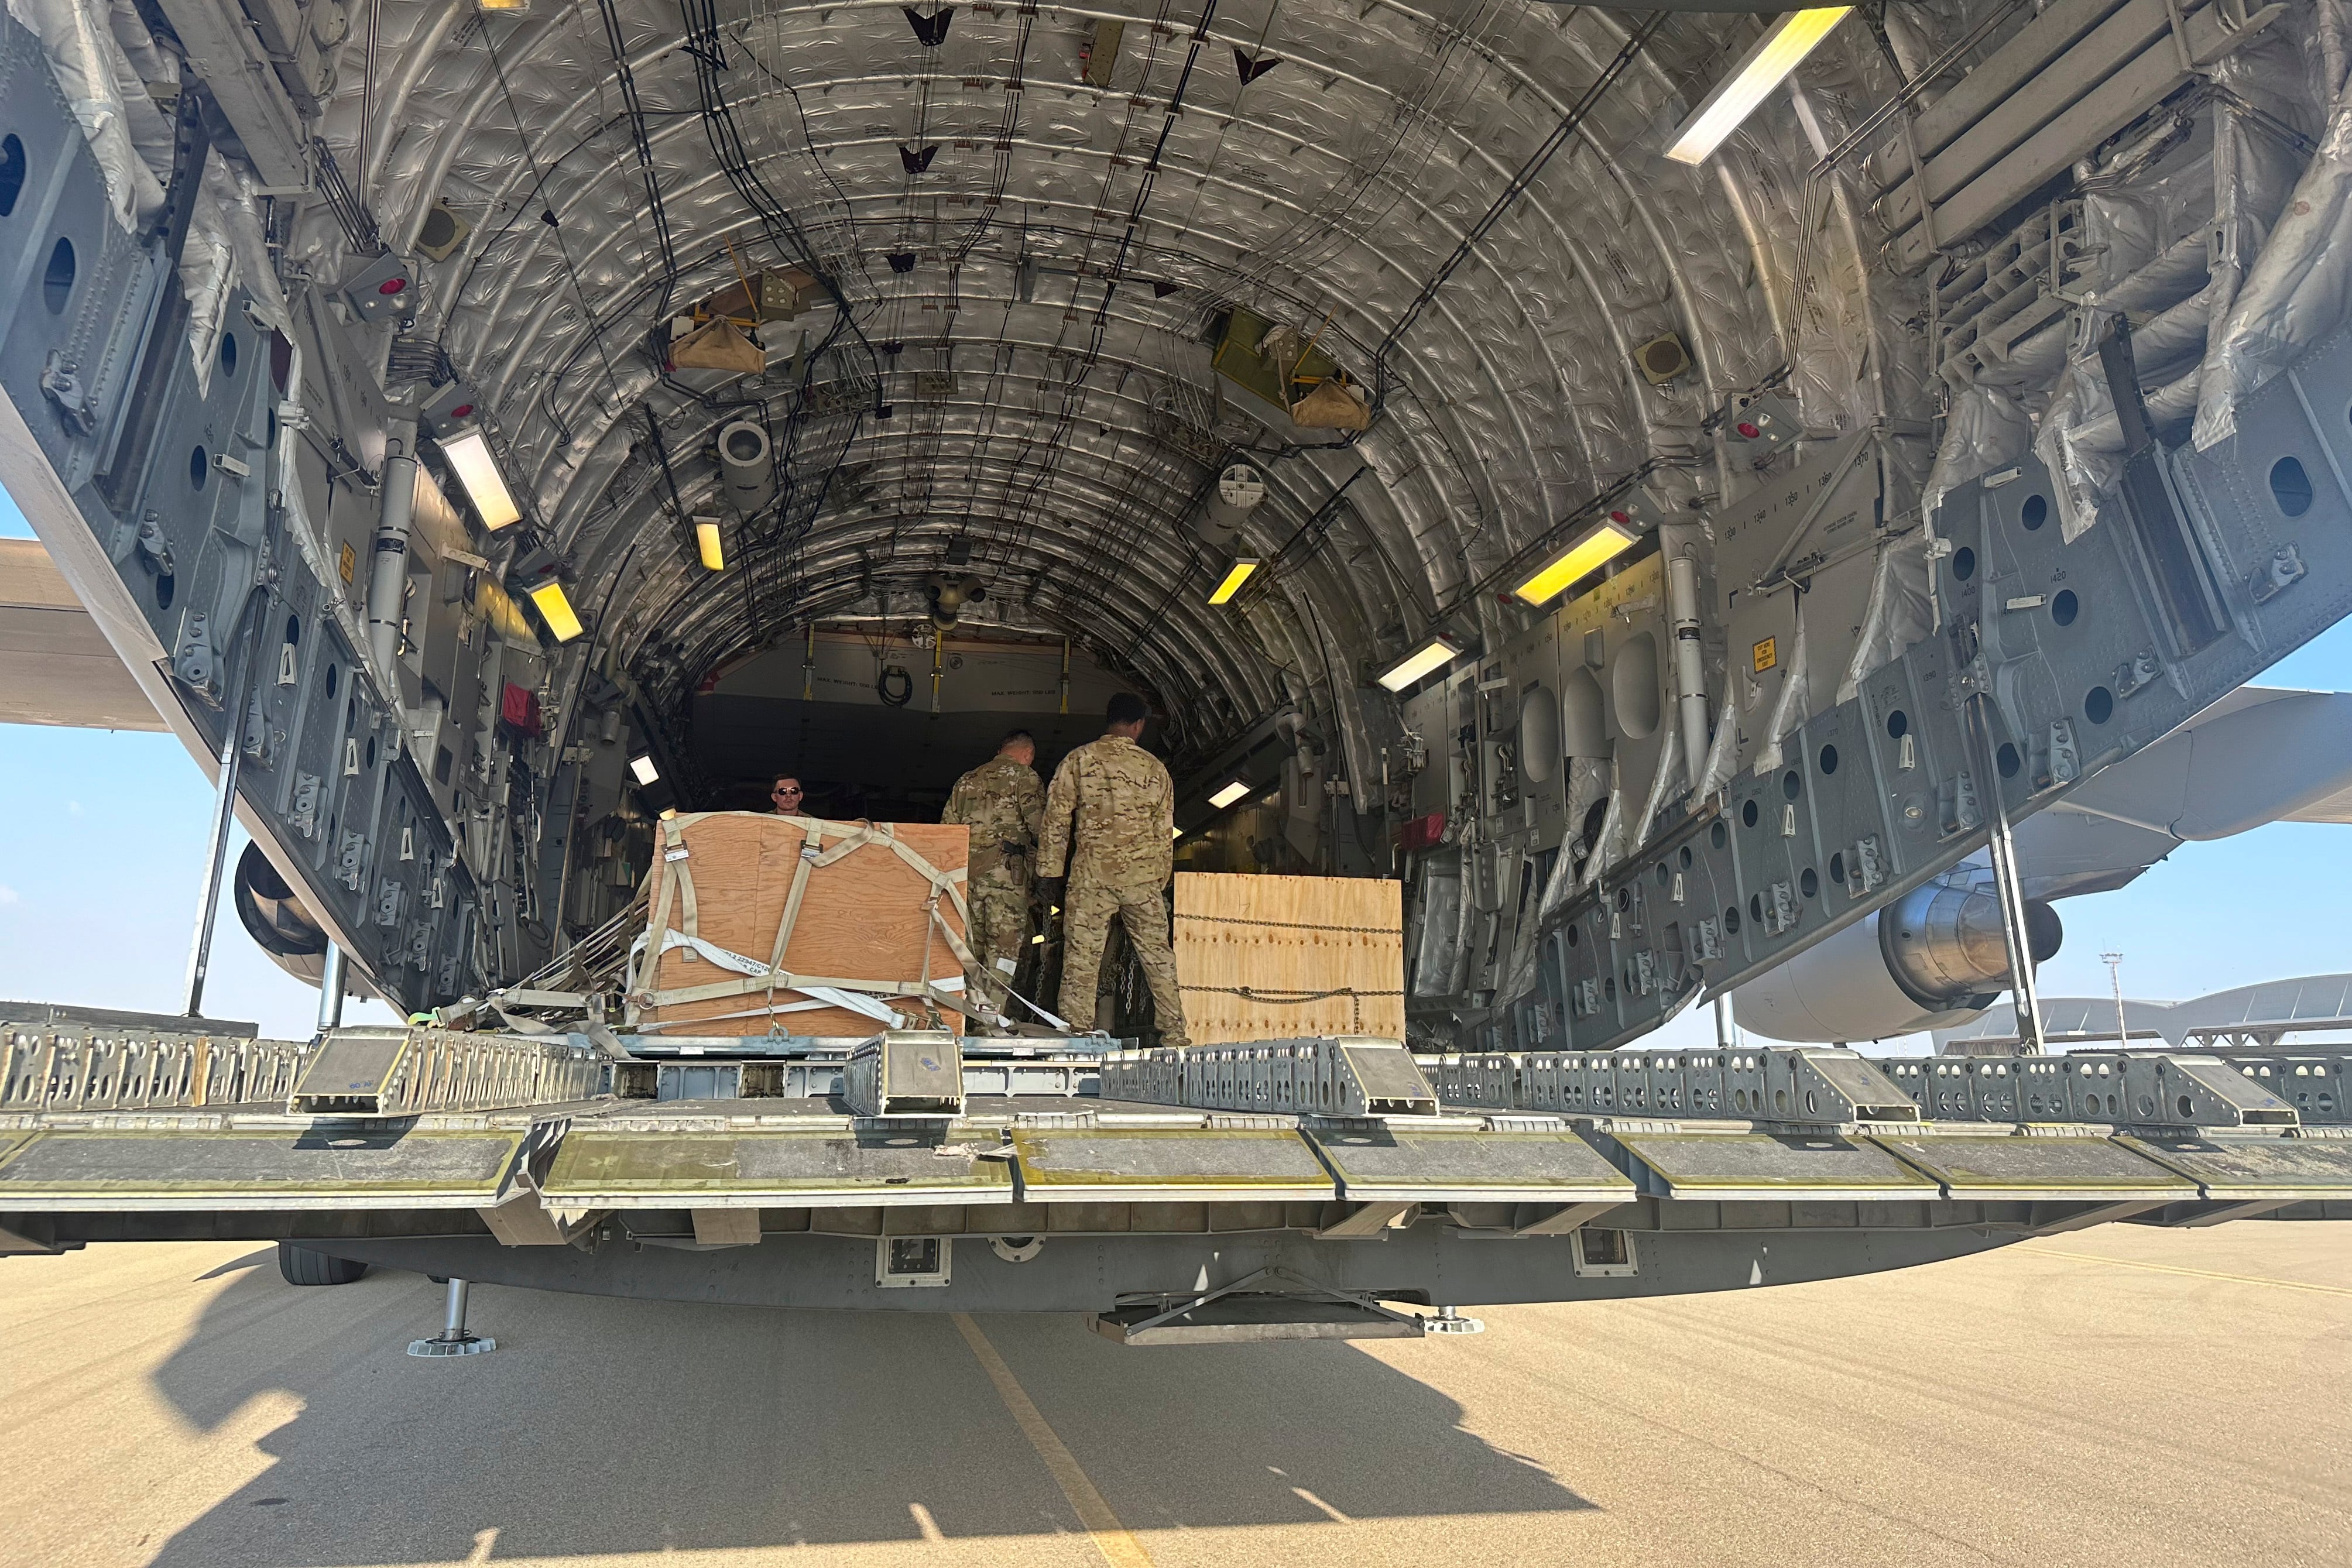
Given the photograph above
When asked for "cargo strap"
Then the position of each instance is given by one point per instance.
(854, 995)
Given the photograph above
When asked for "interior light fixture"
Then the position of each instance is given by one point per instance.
(1439, 650)
(706, 540)
(645, 770)
(555, 609)
(1601, 542)
(1782, 49)
(1175, 833)
(469, 457)
(1234, 578)
(1229, 794)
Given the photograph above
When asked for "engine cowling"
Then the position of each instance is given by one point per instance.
(1932, 959)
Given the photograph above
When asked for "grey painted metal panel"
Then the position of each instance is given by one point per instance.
(1815, 1166)
(2252, 1168)
(1378, 1164)
(832, 1168)
(321, 1167)
(1081, 1165)
(2008, 1168)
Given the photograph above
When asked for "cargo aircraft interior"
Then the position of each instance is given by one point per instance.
(1712, 503)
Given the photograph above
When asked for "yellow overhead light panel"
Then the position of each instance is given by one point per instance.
(1239, 574)
(1597, 545)
(706, 540)
(555, 609)
(1435, 653)
(469, 459)
(1229, 794)
(1782, 49)
(645, 770)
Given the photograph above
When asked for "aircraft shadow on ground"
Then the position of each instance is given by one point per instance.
(603, 1425)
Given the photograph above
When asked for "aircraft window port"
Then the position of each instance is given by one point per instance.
(12, 173)
(1793, 783)
(2065, 607)
(1898, 723)
(1964, 563)
(2098, 705)
(2291, 486)
(2035, 512)
(199, 464)
(1829, 759)
(58, 281)
(1747, 813)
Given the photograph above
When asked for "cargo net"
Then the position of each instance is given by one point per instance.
(758, 923)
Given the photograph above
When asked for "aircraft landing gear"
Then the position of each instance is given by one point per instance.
(300, 1266)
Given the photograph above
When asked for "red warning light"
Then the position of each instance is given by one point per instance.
(1619, 517)
(391, 286)
(1747, 430)
(462, 410)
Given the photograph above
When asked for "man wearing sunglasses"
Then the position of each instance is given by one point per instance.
(784, 795)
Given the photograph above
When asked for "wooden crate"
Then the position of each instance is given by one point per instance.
(1315, 954)
(862, 917)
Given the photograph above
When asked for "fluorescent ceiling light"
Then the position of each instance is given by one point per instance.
(643, 766)
(1599, 543)
(1233, 581)
(1438, 651)
(1174, 834)
(469, 457)
(1229, 794)
(706, 540)
(556, 610)
(1782, 49)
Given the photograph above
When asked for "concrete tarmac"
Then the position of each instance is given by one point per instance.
(2123, 1396)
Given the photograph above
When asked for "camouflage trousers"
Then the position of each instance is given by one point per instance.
(998, 933)
(1086, 925)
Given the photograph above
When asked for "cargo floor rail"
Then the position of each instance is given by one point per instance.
(82, 1067)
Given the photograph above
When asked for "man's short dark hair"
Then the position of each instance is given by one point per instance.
(1126, 707)
(779, 778)
(1016, 737)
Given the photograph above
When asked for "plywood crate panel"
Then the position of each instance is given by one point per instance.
(1273, 957)
(864, 917)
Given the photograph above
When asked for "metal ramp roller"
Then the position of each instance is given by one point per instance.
(1814, 1167)
(325, 1166)
(834, 1166)
(1083, 1164)
(2012, 1168)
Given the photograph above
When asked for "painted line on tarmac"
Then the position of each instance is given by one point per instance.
(1118, 1548)
(2195, 1273)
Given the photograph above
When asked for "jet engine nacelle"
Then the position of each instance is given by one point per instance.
(1933, 959)
(276, 919)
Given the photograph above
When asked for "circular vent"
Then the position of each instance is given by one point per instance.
(440, 229)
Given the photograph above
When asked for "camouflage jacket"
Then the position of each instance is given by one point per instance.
(1002, 802)
(1124, 807)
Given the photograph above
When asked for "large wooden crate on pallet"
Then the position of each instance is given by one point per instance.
(875, 913)
(1278, 958)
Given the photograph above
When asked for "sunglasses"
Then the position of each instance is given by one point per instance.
(784, 791)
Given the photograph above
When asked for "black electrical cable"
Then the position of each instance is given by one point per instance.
(707, 48)
(653, 210)
(1568, 124)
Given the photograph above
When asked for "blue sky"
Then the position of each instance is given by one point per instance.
(99, 886)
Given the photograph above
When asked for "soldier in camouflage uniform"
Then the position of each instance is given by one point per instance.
(1002, 802)
(1124, 807)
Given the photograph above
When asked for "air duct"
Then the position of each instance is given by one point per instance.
(747, 468)
(1237, 493)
